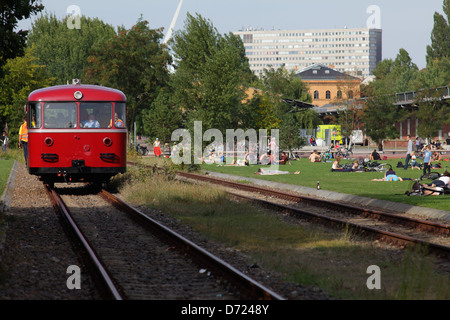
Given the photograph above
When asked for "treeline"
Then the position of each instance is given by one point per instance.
(200, 75)
(376, 112)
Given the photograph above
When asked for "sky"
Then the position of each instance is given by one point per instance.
(406, 24)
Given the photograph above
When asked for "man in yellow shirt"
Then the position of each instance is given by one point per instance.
(23, 139)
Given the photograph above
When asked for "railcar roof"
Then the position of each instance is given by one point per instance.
(66, 93)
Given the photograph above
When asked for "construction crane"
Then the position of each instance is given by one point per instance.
(172, 24)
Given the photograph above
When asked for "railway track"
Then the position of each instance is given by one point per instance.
(135, 257)
(383, 226)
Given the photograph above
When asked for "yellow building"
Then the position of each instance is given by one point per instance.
(328, 86)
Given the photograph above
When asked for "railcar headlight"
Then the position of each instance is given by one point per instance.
(78, 95)
(107, 141)
(48, 141)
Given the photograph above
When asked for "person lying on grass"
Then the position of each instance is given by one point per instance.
(273, 172)
(389, 175)
(438, 185)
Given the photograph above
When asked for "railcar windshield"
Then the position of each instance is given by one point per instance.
(95, 114)
(60, 115)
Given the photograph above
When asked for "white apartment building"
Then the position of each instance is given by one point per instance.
(353, 51)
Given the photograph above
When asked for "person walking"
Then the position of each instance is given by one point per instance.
(156, 148)
(23, 139)
(408, 152)
(5, 141)
(417, 144)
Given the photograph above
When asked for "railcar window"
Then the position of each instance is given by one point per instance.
(60, 115)
(119, 115)
(34, 120)
(95, 114)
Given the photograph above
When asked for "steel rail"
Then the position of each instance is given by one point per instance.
(437, 228)
(95, 261)
(252, 288)
(383, 235)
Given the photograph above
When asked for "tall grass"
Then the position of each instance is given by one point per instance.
(302, 253)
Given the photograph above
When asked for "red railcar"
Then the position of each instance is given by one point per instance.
(76, 133)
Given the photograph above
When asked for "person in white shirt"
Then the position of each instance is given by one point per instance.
(437, 186)
(5, 141)
(408, 152)
(91, 123)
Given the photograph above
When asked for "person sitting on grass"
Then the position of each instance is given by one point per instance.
(285, 159)
(436, 157)
(375, 155)
(414, 163)
(356, 167)
(266, 158)
(314, 157)
(336, 166)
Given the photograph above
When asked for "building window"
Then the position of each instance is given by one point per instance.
(316, 95)
(350, 94)
(339, 94)
(328, 95)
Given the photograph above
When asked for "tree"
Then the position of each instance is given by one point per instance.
(440, 36)
(135, 62)
(380, 116)
(436, 74)
(21, 76)
(12, 43)
(350, 118)
(281, 84)
(396, 75)
(432, 112)
(308, 119)
(383, 69)
(211, 75)
(278, 86)
(290, 133)
(162, 118)
(63, 50)
(404, 71)
(266, 115)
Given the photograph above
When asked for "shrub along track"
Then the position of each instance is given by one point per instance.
(396, 229)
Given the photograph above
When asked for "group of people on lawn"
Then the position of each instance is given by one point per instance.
(390, 175)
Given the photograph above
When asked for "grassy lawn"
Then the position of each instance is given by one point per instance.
(355, 183)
